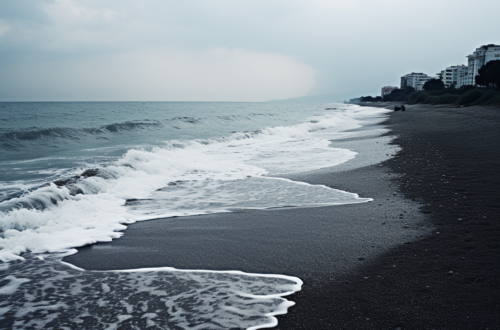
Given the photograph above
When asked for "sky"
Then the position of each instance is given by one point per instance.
(230, 50)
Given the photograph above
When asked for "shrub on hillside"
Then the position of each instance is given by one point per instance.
(493, 100)
(419, 97)
(488, 94)
(471, 96)
(463, 96)
(445, 99)
(437, 92)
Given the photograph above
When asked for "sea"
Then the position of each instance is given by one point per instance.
(78, 173)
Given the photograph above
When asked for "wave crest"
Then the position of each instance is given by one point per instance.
(36, 133)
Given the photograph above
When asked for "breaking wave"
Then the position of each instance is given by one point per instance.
(35, 133)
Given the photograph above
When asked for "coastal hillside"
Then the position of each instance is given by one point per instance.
(463, 96)
(466, 96)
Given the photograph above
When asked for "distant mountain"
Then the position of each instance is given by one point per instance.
(335, 98)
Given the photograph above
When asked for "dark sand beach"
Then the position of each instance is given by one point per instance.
(424, 254)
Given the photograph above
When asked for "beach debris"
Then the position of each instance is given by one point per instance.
(361, 259)
(450, 272)
(459, 219)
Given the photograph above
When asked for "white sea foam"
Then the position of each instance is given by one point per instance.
(182, 178)
(56, 296)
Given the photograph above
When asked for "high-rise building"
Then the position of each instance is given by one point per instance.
(454, 76)
(480, 57)
(415, 80)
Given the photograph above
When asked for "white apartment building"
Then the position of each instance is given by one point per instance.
(387, 90)
(463, 79)
(455, 76)
(480, 57)
(415, 80)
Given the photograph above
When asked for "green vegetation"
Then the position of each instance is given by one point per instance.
(466, 95)
(489, 75)
(433, 85)
(435, 92)
(462, 96)
(399, 95)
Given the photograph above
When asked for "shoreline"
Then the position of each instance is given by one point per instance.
(256, 241)
(446, 280)
(358, 272)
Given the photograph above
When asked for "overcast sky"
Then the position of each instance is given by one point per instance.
(230, 50)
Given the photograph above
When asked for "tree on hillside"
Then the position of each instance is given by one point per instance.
(489, 75)
(370, 99)
(433, 85)
(399, 95)
(409, 89)
(396, 95)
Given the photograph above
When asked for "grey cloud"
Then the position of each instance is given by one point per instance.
(24, 10)
(354, 47)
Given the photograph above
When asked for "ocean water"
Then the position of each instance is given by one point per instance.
(73, 174)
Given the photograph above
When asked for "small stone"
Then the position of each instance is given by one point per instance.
(460, 219)
(450, 272)
(361, 259)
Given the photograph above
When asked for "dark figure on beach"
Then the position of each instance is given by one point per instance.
(403, 108)
(397, 108)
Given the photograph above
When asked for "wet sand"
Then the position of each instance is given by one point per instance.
(404, 260)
